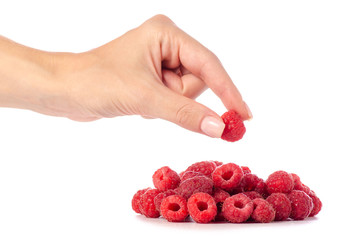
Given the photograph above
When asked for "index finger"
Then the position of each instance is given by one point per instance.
(204, 64)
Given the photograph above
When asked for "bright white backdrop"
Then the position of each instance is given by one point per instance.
(61, 179)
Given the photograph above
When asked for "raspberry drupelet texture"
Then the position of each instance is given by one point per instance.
(204, 167)
(220, 196)
(281, 205)
(253, 195)
(249, 182)
(263, 211)
(194, 185)
(245, 169)
(301, 203)
(227, 176)
(136, 200)
(202, 207)
(317, 204)
(174, 208)
(190, 174)
(280, 181)
(165, 178)
(158, 199)
(298, 185)
(217, 163)
(262, 188)
(146, 204)
(237, 208)
(234, 126)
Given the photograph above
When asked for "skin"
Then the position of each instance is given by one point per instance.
(155, 70)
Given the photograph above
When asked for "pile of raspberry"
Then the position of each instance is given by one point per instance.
(210, 191)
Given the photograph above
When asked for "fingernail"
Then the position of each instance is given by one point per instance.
(249, 113)
(212, 126)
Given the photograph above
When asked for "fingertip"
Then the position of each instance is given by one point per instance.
(248, 112)
(212, 126)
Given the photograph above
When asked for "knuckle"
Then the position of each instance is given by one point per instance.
(160, 18)
(184, 114)
(159, 23)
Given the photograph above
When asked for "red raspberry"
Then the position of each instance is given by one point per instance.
(253, 194)
(217, 163)
(279, 181)
(234, 126)
(204, 167)
(227, 176)
(237, 208)
(146, 204)
(158, 199)
(136, 199)
(298, 185)
(281, 205)
(174, 208)
(165, 178)
(249, 182)
(316, 204)
(202, 207)
(219, 196)
(190, 174)
(263, 211)
(301, 203)
(194, 185)
(245, 169)
(261, 188)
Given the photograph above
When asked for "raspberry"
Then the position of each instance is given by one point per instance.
(237, 208)
(202, 207)
(158, 199)
(281, 205)
(245, 169)
(190, 174)
(249, 182)
(146, 204)
(194, 185)
(219, 196)
(253, 195)
(227, 176)
(218, 163)
(204, 167)
(165, 178)
(298, 185)
(301, 203)
(261, 188)
(174, 208)
(280, 181)
(316, 204)
(234, 126)
(263, 211)
(136, 199)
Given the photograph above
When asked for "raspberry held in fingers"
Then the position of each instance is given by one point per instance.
(234, 126)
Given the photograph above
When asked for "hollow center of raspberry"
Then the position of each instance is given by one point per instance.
(202, 206)
(174, 207)
(227, 175)
(238, 204)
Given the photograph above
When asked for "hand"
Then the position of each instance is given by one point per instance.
(155, 71)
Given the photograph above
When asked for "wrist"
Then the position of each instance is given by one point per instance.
(25, 74)
(35, 80)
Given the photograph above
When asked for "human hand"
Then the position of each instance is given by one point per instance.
(155, 71)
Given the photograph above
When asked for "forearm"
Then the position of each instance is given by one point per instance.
(23, 71)
(28, 79)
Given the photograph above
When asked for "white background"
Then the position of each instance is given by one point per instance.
(61, 179)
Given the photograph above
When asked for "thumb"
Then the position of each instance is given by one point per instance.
(188, 114)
